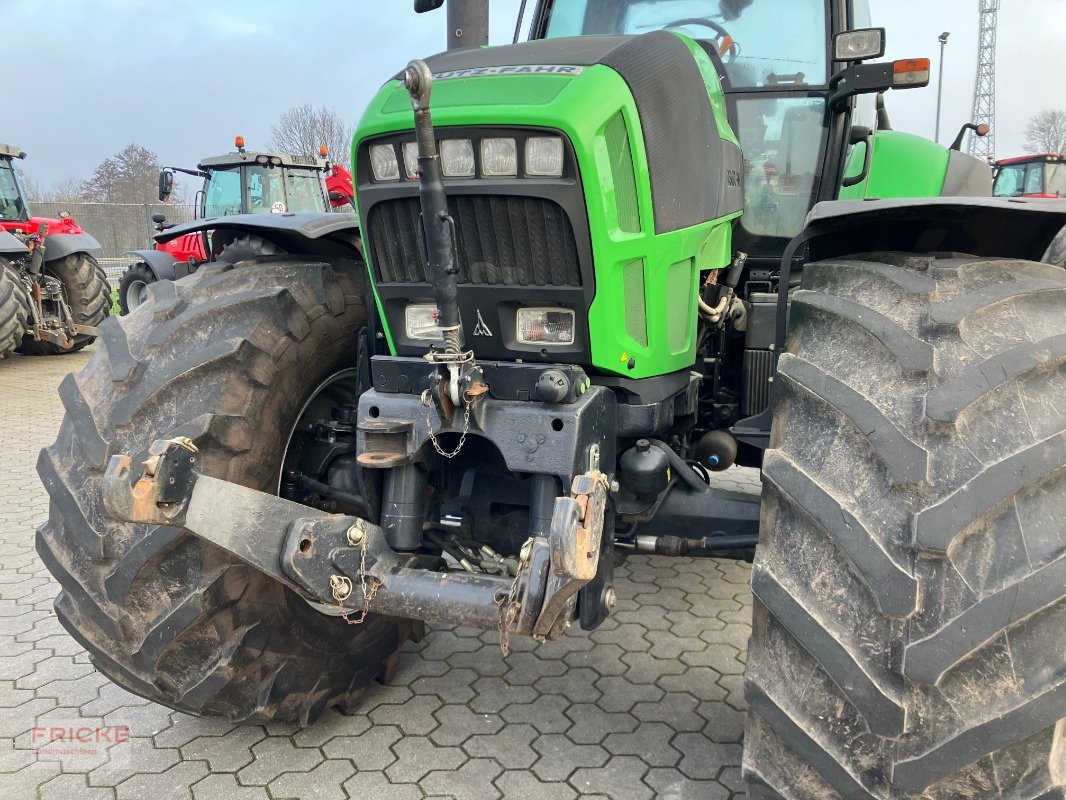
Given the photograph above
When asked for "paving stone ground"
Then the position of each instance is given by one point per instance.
(650, 705)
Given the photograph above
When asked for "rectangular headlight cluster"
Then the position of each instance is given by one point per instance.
(545, 326)
(535, 325)
(422, 321)
(544, 156)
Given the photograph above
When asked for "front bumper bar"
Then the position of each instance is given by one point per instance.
(343, 564)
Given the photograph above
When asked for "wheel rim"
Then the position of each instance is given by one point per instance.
(136, 294)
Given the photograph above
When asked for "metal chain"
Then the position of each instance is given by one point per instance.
(433, 437)
(368, 595)
(510, 607)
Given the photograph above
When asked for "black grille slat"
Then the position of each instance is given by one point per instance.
(501, 240)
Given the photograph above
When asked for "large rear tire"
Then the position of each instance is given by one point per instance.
(88, 294)
(228, 357)
(14, 309)
(909, 625)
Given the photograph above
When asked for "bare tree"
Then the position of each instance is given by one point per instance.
(130, 176)
(64, 191)
(303, 128)
(1046, 132)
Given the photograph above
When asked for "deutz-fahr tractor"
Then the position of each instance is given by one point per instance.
(53, 293)
(598, 266)
(241, 182)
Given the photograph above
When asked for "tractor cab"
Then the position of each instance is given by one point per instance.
(775, 60)
(241, 182)
(1041, 176)
(248, 182)
(13, 206)
(801, 102)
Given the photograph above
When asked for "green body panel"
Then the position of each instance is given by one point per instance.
(903, 165)
(582, 107)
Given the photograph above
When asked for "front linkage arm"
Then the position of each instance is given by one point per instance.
(343, 564)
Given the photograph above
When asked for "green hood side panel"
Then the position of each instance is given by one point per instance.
(643, 319)
(903, 165)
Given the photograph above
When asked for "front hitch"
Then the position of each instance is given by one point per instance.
(344, 565)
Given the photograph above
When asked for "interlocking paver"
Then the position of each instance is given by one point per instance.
(275, 755)
(560, 757)
(619, 780)
(651, 704)
(375, 784)
(416, 756)
(324, 782)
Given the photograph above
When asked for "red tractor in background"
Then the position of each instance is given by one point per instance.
(1042, 175)
(53, 293)
(1039, 175)
(241, 182)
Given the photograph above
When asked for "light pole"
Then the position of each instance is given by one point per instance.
(943, 39)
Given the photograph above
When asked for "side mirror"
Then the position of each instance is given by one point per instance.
(166, 185)
(978, 129)
(158, 218)
(859, 45)
(422, 6)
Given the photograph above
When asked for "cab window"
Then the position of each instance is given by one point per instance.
(762, 42)
(1009, 181)
(222, 194)
(12, 206)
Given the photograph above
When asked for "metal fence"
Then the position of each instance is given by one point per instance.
(117, 226)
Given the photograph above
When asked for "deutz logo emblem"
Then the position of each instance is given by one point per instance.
(481, 329)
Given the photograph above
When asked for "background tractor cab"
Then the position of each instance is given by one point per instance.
(52, 290)
(241, 182)
(1041, 175)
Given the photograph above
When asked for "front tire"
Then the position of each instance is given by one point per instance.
(909, 623)
(88, 294)
(133, 286)
(227, 357)
(14, 309)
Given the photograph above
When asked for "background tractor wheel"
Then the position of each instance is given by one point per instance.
(14, 308)
(88, 294)
(133, 286)
(909, 623)
(1056, 253)
(246, 247)
(228, 357)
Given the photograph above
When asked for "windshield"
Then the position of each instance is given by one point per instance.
(222, 193)
(12, 206)
(277, 190)
(763, 42)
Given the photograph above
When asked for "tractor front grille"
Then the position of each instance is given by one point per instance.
(501, 240)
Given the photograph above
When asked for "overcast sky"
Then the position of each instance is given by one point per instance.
(182, 78)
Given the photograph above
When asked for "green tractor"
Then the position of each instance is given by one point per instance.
(594, 268)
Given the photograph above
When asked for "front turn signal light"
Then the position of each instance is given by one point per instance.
(910, 73)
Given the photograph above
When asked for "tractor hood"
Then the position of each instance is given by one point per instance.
(666, 85)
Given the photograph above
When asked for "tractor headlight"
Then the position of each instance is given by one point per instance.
(546, 326)
(544, 156)
(410, 159)
(499, 158)
(422, 321)
(457, 158)
(383, 162)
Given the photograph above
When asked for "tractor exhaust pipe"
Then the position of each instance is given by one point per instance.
(468, 21)
(437, 224)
